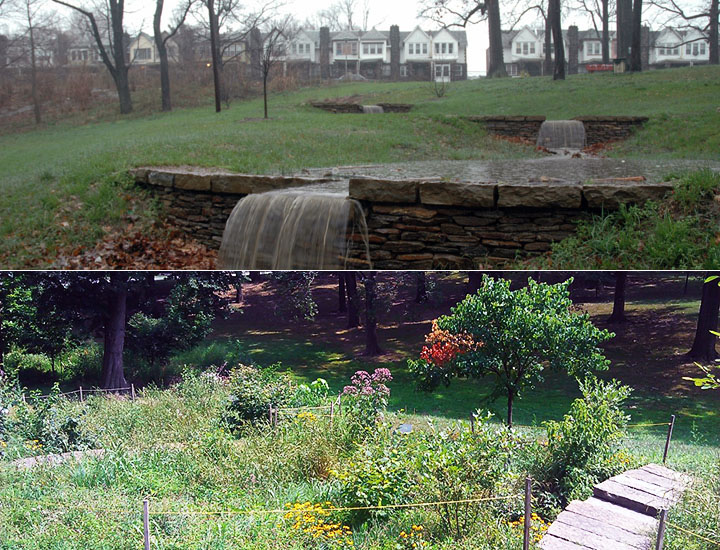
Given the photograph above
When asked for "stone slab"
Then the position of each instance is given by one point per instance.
(596, 527)
(540, 195)
(612, 514)
(442, 193)
(384, 190)
(629, 497)
(582, 537)
(161, 179)
(550, 542)
(192, 182)
(612, 195)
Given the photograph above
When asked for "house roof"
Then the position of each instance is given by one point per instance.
(375, 35)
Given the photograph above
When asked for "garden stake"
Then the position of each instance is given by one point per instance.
(146, 523)
(332, 413)
(661, 530)
(132, 392)
(669, 437)
(81, 395)
(528, 513)
(270, 415)
(24, 398)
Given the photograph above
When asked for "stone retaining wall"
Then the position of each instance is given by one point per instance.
(430, 224)
(357, 108)
(599, 129)
(412, 224)
(200, 201)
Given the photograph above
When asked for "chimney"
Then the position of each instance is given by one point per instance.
(395, 52)
(574, 47)
(325, 46)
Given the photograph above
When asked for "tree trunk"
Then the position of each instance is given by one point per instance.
(113, 376)
(510, 402)
(606, 31)
(163, 54)
(496, 63)
(713, 33)
(624, 28)
(703, 348)
(342, 295)
(33, 67)
(372, 347)
(636, 47)
(122, 82)
(352, 298)
(420, 287)
(216, 58)
(548, 62)
(556, 23)
(618, 314)
(474, 281)
(265, 79)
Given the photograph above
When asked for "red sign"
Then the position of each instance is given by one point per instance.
(599, 67)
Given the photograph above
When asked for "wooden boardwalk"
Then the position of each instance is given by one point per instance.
(622, 513)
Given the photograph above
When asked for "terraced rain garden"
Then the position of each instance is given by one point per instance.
(70, 182)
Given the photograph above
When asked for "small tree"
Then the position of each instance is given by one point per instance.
(513, 337)
(272, 50)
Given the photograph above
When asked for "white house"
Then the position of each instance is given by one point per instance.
(143, 50)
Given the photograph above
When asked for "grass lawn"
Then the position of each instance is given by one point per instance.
(62, 187)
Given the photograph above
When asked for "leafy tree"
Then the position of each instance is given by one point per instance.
(513, 337)
(296, 300)
(16, 311)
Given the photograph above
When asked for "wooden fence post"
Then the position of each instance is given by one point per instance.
(132, 392)
(81, 395)
(146, 523)
(669, 437)
(339, 402)
(528, 513)
(332, 413)
(661, 531)
(24, 398)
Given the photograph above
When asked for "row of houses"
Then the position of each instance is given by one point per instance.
(524, 49)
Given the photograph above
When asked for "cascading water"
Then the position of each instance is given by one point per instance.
(293, 230)
(373, 109)
(562, 134)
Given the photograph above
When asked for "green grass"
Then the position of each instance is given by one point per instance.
(64, 186)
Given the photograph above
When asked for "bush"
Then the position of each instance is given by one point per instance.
(584, 448)
(367, 396)
(82, 362)
(17, 360)
(209, 355)
(312, 395)
(252, 391)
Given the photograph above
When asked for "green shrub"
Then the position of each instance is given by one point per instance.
(695, 188)
(82, 362)
(213, 354)
(253, 390)
(17, 360)
(584, 448)
(313, 395)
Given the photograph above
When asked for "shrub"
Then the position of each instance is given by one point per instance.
(367, 395)
(312, 395)
(252, 391)
(583, 448)
(213, 354)
(82, 361)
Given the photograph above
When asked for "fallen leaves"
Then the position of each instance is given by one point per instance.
(159, 247)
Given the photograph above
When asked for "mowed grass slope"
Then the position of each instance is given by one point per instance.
(64, 186)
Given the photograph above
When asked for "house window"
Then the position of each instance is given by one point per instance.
(425, 49)
(702, 48)
(411, 49)
(403, 71)
(451, 47)
(512, 69)
(594, 48)
(444, 48)
(526, 48)
(143, 54)
(372, 49)
(437, 48)
(442, 71)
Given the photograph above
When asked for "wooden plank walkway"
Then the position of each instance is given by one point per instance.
(622, 513)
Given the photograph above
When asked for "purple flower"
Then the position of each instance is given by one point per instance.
(382, 375)
(350, 390)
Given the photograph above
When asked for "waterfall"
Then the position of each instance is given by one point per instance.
(562, 134)
(293, 230)
(372, 109)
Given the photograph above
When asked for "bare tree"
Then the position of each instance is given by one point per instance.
(112, 53)
(461, 13)
(33, 23)
(700, 17)
(161, 41)
(272, 50)
(601, 10)
(220, 15)
(636, 51)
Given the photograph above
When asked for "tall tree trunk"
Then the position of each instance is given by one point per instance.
(122, 80)
(496, 63)
(352, 296)
(703, 348)
(33, 66)
(216, 57)
(372, 347)
(420, 287)
(624, 28)
(606, 31)
(636, 47)
(342, 295)
(618, 314)
(265, 80)
(163, 54)
(713, 33)
(113, 376)
(556, 23)
(548, 62)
